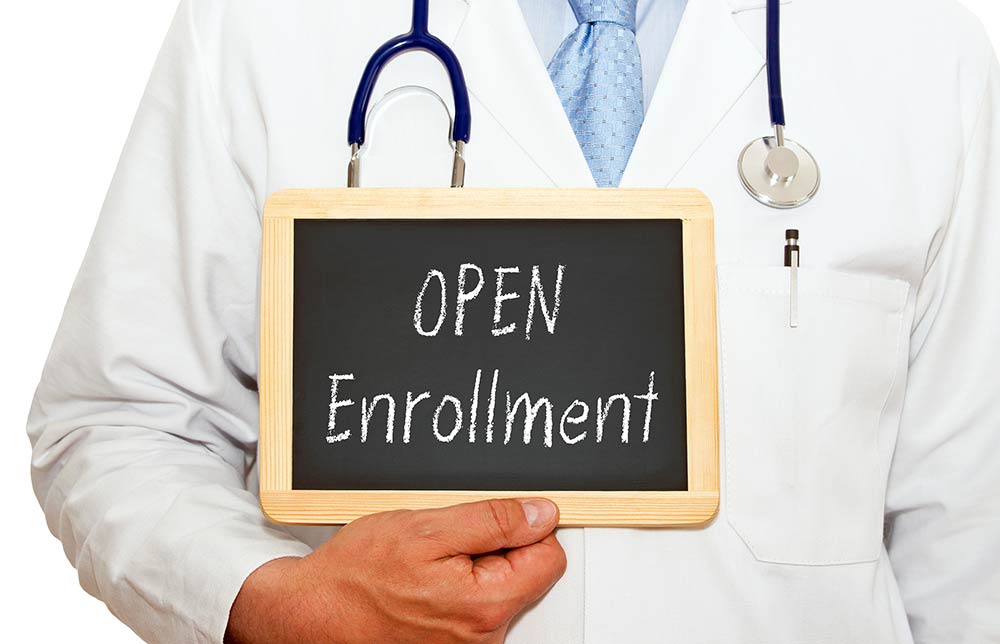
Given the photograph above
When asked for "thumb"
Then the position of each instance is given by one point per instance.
(494, 524)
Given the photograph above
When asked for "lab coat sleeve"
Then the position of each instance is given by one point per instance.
(144, 423)
(943, 503)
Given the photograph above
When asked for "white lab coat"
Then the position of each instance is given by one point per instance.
(881, 409)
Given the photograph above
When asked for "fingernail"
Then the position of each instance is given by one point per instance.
(538, 512)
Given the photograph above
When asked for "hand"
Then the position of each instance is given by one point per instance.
(451, 575)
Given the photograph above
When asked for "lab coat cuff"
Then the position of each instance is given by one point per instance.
(230, 564)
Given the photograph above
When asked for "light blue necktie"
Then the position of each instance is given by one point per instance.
(598, 76)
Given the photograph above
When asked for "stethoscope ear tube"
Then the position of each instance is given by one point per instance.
(417, 38)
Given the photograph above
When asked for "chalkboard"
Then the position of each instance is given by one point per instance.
(424, 347)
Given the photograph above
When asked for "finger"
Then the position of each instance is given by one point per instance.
(521, 575)
(485, 526)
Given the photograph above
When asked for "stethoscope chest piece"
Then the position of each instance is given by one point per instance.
(779, 176)
(776, 171)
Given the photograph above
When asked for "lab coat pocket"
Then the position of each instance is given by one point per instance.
(801, 409)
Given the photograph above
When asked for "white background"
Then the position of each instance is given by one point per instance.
(72, 73)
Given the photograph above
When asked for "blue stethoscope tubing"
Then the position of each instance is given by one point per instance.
(775, 98)
(776, 171)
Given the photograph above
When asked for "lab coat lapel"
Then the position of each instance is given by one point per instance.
(711, 64)
(508, 78)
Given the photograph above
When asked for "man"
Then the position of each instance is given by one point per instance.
(858, 452)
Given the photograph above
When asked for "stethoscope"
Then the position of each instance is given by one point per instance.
(776, 171)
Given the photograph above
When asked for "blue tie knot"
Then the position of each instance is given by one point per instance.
(619, 12)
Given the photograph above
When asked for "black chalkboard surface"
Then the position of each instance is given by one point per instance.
(618, 334)
(426, 353)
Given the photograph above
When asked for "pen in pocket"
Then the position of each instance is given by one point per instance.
(792, 262)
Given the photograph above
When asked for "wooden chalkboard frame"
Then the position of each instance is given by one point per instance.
(695, 506)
